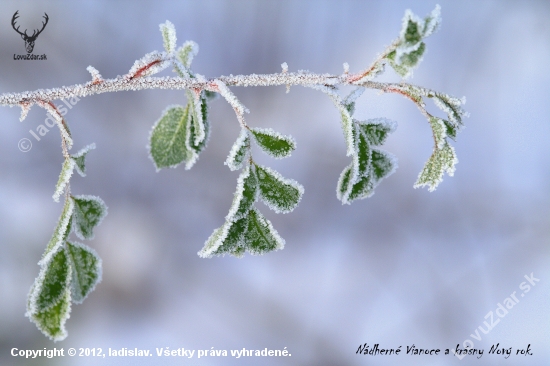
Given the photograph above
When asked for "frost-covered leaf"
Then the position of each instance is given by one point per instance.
(149, 64)
(377, 129)
(226, 239)
(439, 130)
(279, 194)
(61, 232)
(88, 213)
(51, 283)
(442, 160)
(452, 106)
(198, 126)
(187, 52)
(363, 154)
(168, 36)
(432, 22)
(383, 165)
(168, 137)
(344, 183)
(363, 188)
(64, 177)
(239, 151)
(260, 236)
(404, 59)
(273, 143)
(412, 29)
(245, 195)
(79, 159)
(52, 320)
(85, 269)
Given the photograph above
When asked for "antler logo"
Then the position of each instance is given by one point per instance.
(29, 40)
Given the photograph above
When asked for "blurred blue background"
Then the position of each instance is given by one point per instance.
(403, 267)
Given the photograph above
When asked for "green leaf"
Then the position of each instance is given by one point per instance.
(187, 52)
(194, 141)
(227, 239)
(439, 130)
(411, 33)
(363, 154)
(377, 130)
(239, 151)
(344, 184)
(85, 269)
(411, 59)
(61, 232)
(168, 36)
(51, 283)
(273, 143)
(168, 138)
(452, 106)
(52, 320)
(196, 124)
(450, 129)
(245, 195)
(383, 165)
(88, 213)
(260, 236)
(442, 160)
(64, 177)
(364, 188)
(279, 194)
(432, 22)
(79, 159)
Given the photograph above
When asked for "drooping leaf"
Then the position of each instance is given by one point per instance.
(363, 154)
(204, 125)
(226, 239)
(442, 160)
(279, 194)
(168, 36)
(88, 213)
(363, 188)
(383, 165)
(198, 130)
(377, 130)
(51, 321)
(260, 236)
(168, 138)
(344, 184)
(273, 143)
(51, 283)
(85, 269)
(245, 195)
(79, 159)
(61, 232)
(64, 177)
(239, 151)
(439, 130)
(452, 106)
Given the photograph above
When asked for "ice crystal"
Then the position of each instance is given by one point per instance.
(168, 36)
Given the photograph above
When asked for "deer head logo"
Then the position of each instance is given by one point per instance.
(29, 40)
